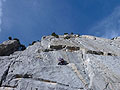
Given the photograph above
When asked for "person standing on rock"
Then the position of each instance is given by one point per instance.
(62, 61)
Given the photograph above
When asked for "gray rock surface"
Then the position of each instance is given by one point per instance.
(8, 47)
(94, 64)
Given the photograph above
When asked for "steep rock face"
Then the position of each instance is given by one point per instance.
(94, 63)
(8, 47)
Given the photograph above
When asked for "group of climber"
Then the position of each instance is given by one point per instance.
(62, 61)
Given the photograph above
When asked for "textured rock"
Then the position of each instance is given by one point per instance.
(8, 47)
(94, 64)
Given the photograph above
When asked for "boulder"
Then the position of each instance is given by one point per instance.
(8, 47)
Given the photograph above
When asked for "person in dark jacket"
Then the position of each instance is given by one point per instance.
(62, 61)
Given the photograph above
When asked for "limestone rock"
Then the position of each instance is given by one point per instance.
(94, 64)
(8, 47)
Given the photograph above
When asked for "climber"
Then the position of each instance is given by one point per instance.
(62, 61)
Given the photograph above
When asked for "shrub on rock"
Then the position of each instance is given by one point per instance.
(71, 33)
(67, 37)
(10, 38)
(55, 35)
(22, 47)
(33, 42)
(65, 33)
(16, 39)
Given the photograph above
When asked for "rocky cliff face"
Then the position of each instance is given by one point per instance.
(94, 64)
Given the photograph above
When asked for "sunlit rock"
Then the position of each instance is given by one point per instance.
(93, 64)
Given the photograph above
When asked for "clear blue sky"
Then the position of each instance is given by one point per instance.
(29, 20)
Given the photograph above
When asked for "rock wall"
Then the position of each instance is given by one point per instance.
(94, 64)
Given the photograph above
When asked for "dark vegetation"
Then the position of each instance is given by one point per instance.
(55, 35)
(16, 39)
(68, 34)
(44, 37)
(71, 33)
(33, 42)
(78, 34)
(10, 38)
(22, 47)
(95, 52)
(67, 37)
(65, 33)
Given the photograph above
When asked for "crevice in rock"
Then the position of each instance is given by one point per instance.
(29, 76)
(82, 56)
(72, 48)
(94, 52)
(57, 47)
(111, 54)
(60, 47)
(15, 77)
(99, 53)
(75, 48)
(9, 86)
(55, 82)
(106, 86)
(3, 78)
(47, 50)
(22, 76)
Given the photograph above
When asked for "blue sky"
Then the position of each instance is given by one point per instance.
(29, 20)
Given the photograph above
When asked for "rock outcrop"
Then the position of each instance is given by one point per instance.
(8, 47)
(94, 64)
